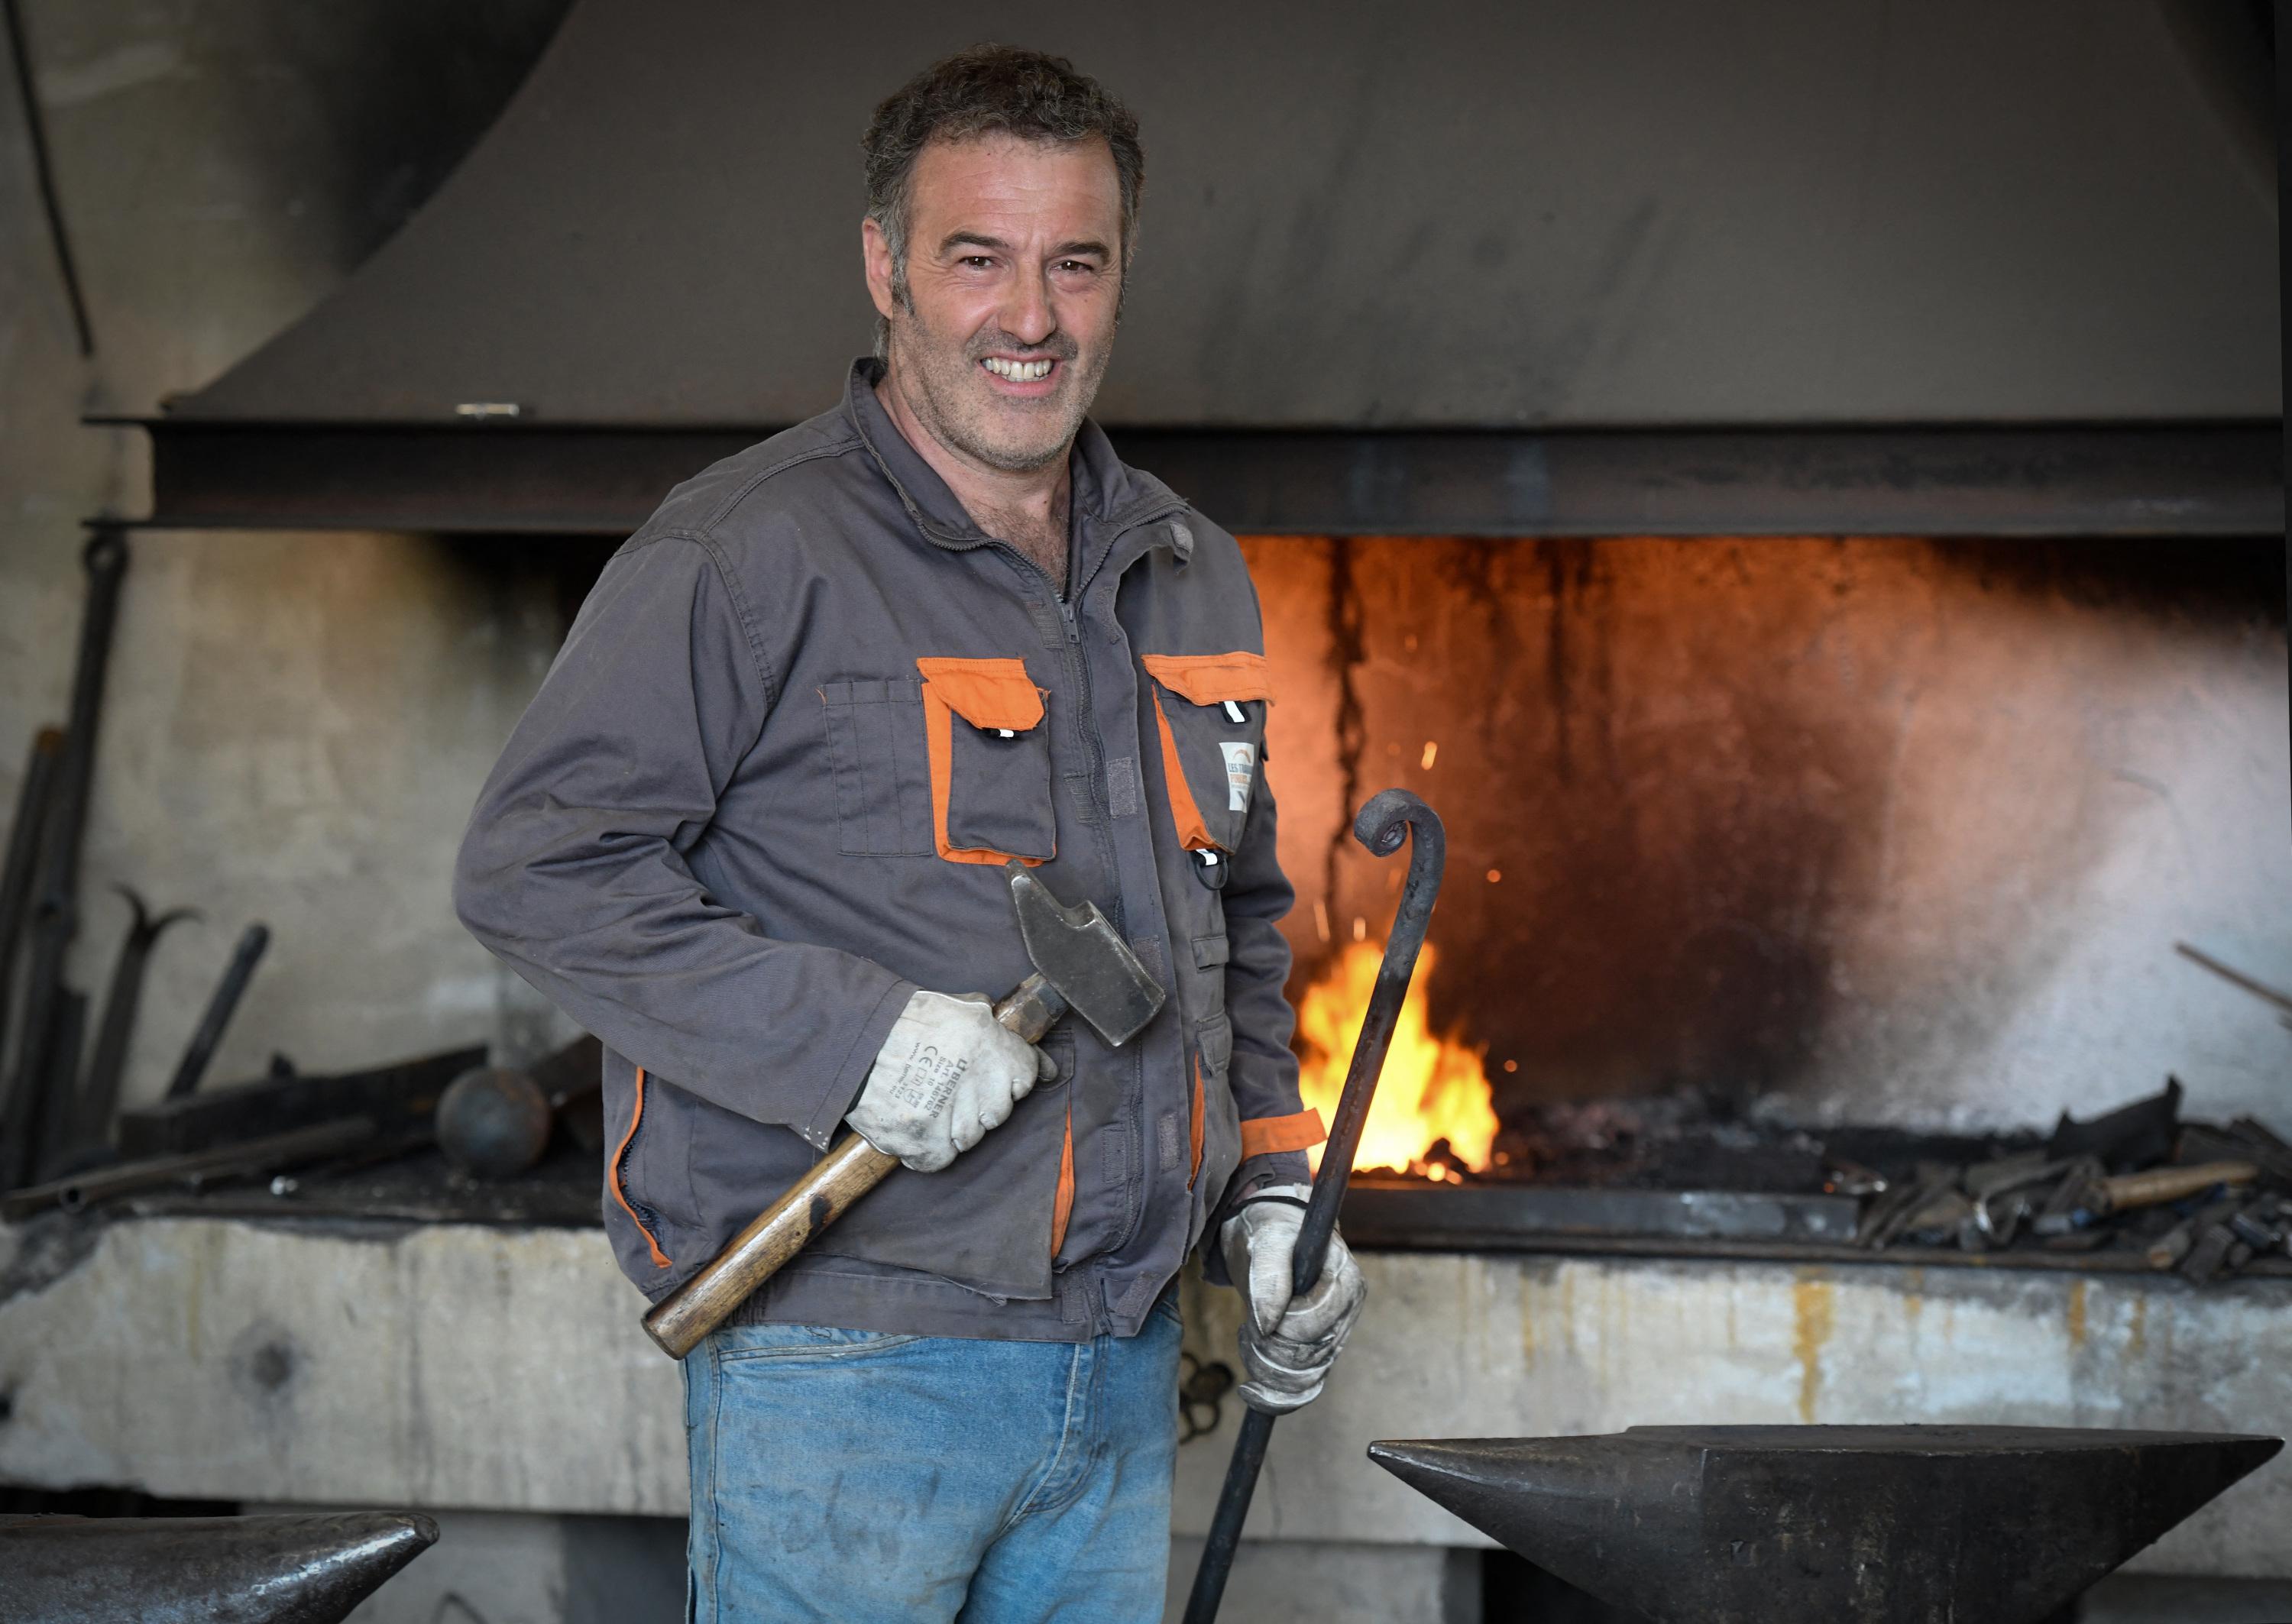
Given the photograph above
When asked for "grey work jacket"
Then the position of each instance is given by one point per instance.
(765, 795)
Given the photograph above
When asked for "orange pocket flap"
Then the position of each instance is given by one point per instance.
(1213, 679)
(990, 692)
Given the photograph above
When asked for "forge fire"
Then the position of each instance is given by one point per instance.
(1432, 1115)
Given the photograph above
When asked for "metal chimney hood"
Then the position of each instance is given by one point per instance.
(1495, 268)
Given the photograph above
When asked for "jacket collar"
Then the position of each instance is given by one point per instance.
(1107, 495)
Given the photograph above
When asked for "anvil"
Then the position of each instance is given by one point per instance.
(1830, 1524)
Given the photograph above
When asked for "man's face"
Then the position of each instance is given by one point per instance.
(1015, 277)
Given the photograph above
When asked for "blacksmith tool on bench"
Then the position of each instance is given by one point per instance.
(1830, 1524)
(1081, 963)
(47, 1057)
(244, 958)
(1383, 826)
(20, 865)
(99, 1091)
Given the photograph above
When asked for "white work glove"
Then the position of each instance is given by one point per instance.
(1288, 1344)
(949, 1072)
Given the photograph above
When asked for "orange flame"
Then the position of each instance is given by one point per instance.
(1433, 1088)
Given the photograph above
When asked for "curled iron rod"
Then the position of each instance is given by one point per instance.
(1383, 826)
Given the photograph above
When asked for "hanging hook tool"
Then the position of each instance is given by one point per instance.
(1383, 826)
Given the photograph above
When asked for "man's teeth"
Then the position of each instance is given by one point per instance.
(1017, 372)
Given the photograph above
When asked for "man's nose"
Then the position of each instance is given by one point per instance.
(1027, 312)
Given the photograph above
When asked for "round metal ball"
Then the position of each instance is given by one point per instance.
(493, 1123)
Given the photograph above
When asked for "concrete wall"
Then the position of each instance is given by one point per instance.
(506, 1567)
(298, 724)
(380, 1365)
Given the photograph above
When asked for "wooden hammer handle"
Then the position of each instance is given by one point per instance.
(680, 1319)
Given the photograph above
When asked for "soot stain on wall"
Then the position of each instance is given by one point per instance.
(1722, 812)
(1346, 658)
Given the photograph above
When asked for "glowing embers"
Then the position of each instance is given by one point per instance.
(1432, 1115)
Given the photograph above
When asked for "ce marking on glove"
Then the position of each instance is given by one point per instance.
(929, 1079)
(948, 1075)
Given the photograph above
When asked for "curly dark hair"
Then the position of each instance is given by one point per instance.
(987, 90)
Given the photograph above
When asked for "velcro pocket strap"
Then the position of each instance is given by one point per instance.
(1216, 1129)
(990, 761)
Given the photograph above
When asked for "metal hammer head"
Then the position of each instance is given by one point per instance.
(1077, 951)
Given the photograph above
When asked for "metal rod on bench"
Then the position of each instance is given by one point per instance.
(244, 958)
(1383, 826)
(18, 868)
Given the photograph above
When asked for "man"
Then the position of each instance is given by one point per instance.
(751, 834)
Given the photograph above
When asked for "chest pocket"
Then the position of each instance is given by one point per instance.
(1210, 710)
(989, 746)
(875, 743)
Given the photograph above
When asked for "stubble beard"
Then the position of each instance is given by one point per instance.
(941, 382)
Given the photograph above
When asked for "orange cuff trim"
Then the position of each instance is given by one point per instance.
(1264, 1136)
(1198, 1124)
(1194, 833)
(660, 1258)
(1063, 1203)
(992, 693)
(1212, 678)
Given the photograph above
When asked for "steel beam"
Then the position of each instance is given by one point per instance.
(1499, 1215)
(2165, 479)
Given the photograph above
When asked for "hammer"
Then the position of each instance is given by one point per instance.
(1080, 964)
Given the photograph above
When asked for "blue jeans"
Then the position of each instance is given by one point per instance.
(857, 1476)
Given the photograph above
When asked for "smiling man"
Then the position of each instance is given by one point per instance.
(751, 831)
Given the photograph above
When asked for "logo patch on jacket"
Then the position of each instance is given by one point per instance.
(1240, 766)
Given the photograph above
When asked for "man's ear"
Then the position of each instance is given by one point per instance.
(875, 254)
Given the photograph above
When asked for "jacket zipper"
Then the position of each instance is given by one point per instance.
(1098, 764)
(1089, 710)
(1139, 1137)
(1150, 515)
(1082, 667)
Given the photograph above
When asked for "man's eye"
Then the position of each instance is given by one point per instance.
(975, 261)
(1084, 266)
